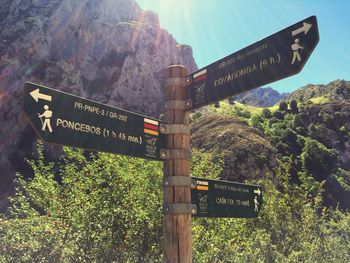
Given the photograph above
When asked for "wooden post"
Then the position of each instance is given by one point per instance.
(177, 191)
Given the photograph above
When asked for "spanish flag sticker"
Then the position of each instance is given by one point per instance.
(151, 127)
(202, 185)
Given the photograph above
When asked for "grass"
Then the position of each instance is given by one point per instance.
(320, 100)
(228, 109)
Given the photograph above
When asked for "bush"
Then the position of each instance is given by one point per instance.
(266, 113)
(292, 227)
(317, 160)
(283, 106)
(256, 122)
(293, 107)
(278, 114)
(108, 208)
(231, 100)
(242, 113)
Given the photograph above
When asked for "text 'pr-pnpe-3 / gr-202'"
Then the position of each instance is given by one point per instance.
(66, 119)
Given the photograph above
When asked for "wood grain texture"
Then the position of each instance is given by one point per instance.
(177, 227)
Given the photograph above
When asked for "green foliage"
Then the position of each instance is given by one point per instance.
(242, 112)
(195, 116)
(231, 100)
(320, 100)
(300, 124)
(283, 106)
(293, 107)
(317, 160)
(328, 120)
(256, 122)
(292, 227)
(272, 121)
(266, 113)
(206, 165)
(107, 208)
(278, 114)
(343, 179)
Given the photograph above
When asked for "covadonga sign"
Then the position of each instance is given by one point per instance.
(273, 58)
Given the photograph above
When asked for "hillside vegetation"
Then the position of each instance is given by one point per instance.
(315, 134)
(107, 208)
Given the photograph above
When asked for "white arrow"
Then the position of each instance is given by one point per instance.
(37, 95)
(257, 191)
(305, 28)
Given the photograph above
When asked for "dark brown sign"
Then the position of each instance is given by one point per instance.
(62, 118)
(273, 58)
(214, 198)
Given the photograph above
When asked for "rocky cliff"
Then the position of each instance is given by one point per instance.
(110, 51)
(338, 90)
(246, 153)
(261, 97)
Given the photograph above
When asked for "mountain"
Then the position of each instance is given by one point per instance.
(338, 90)
(312, 140)
(244, 150)
(261, 97)
(110, 51)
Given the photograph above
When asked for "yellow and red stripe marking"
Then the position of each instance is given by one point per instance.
(202, 187)
(150, 127)
(201, 75)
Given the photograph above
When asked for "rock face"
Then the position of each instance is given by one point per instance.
(246, 153)
(261, 97)
(338, 90)
(110, 51)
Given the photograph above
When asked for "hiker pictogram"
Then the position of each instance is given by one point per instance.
(296, 47)
(47, 114)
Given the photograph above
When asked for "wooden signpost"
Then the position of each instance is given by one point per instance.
(177, 182)
(66, 119)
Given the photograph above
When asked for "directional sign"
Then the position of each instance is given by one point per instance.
(273, 58)
(62, 118)
(215, 198)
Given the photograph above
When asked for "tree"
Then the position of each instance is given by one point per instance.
(293, 107)
(317, 160)
(266, 113)
(278, 114)
(231, 100)
(256, 122)
(300, 123)
(283, 106)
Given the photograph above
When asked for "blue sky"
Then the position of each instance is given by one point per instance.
(217, 28)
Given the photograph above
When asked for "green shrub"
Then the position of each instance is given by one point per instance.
(317, 160)
(266, 113)
(108, 208)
